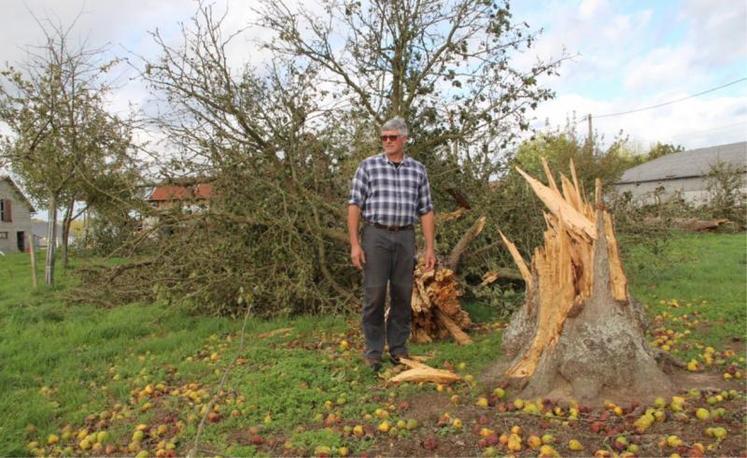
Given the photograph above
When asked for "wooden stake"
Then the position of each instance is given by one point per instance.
(32, 253)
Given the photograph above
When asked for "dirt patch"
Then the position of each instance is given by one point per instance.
(428, 407)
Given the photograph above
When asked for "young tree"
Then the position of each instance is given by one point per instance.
(726, 196)
(61, 132)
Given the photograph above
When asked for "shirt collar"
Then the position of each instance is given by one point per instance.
(405, 159)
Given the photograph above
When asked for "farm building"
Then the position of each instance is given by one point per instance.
(685, 173)
(15, 217)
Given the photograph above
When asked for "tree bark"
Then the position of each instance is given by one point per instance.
(456, 253)
(66, 221)
(579, 335)
(51, 240)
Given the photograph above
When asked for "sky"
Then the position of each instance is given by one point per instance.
(623, 55)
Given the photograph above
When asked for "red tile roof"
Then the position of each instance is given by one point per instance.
(203, 191)
(182, 192)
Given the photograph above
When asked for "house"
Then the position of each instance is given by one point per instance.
(191, 196)
(685, 173)
(15, 217)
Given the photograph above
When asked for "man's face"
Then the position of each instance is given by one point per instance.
(393, 142)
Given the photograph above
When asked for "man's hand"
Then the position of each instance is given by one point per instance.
(429, 231)
(429, 260)
(357, 256)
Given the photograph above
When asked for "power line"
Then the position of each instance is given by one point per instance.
(608, 115)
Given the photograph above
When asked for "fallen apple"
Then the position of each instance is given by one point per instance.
(575, 446)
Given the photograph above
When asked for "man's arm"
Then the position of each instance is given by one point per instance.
(429, 231)
(356, 252)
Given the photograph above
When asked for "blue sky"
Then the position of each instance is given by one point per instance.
(632, 54)
(626, 54)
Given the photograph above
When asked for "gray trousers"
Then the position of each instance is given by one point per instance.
(390, 260)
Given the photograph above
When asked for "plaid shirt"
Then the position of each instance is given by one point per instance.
(389, 194)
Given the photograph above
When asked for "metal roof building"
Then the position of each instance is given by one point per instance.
(684, 173)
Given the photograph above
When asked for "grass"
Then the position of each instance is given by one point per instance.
(64, 363)
(71, 349)
(94, 369)
(703, 279)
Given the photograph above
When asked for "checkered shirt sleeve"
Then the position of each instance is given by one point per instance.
(359, 188)
(424, 195)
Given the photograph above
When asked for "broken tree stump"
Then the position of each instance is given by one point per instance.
(436, 312)
(578, 335)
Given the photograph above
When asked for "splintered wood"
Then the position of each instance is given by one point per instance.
(436, 313)
(561, 276)
(419, 372)
(426, 374)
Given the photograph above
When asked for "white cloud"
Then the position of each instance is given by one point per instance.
(662, 68)
(718, 28)
(692, 123)
(715, 36)
(631, 58)
(619, 46)
(589, 8)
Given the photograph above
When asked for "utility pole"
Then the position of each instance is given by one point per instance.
(589, 138)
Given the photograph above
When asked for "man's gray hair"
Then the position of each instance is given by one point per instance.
(397, 123)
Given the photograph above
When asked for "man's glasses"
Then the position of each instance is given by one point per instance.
(389, 138)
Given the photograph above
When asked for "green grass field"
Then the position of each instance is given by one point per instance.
(73, 370)
(705, 274)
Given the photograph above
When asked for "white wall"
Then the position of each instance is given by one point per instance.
(693, 190)
(21, 219)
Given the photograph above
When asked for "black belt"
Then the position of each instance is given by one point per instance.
(391, 228)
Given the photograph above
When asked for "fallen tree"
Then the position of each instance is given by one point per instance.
(436, 312)
(579, 334)
(281, 148)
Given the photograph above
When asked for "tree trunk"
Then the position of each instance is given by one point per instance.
(51, 240)
(66, 221)
(579, 334)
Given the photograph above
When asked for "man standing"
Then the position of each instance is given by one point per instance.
(390, 191)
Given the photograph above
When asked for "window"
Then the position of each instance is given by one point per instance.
(5, 212)
(3, 236)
